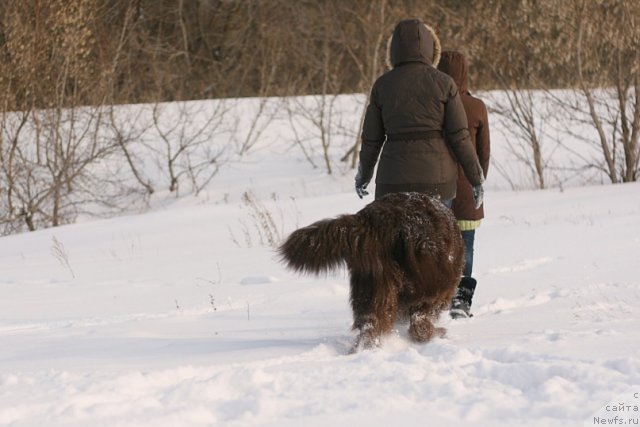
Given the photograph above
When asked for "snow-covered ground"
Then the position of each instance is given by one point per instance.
(181, 317)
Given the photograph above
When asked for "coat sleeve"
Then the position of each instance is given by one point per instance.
(373, 136)
(457, 136)
(483, 145)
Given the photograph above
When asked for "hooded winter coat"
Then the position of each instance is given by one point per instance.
(416, 119)
(455, 65)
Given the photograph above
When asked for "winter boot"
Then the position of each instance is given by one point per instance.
(461, 304)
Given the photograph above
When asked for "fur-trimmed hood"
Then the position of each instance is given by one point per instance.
(455, 65)
(413, 41)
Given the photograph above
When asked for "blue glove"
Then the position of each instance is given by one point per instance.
(361, 184)
(361, 190)
(478, 195)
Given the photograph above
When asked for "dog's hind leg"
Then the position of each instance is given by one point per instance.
(374, 304)
(421, 327)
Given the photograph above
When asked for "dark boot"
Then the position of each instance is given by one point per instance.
(461, 304)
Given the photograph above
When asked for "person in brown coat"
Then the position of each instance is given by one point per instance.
(416, 119)
(468, 215)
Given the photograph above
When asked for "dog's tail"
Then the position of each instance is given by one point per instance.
(322, 246)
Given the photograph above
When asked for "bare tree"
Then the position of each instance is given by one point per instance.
(53, 144)
(128, 128)
(607, 65)
(523, 118)
(318, 112)
(12, 127)
(369, 60)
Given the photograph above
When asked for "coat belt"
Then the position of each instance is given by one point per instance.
(412, 136)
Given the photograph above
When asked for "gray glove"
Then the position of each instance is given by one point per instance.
(361, 183)
(478, 195)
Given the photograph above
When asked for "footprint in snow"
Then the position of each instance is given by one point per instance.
(258, 280)
(524, 265)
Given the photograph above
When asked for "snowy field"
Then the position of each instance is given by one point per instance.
(180, 316)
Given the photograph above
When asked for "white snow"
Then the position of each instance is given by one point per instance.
(173, 318)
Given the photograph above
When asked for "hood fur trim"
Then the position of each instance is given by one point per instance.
(437, 48)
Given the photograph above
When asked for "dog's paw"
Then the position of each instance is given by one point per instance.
(365, 341)
(440, 332)
(422, 332)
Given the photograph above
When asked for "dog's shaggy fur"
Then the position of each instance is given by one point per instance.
(404, 254)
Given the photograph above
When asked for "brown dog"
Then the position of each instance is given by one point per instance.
(404, 254)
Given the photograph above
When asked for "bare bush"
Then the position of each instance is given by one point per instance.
(249, 126)
(263, 226)
(51, 167)
(186, 131)
(60, 253)
(318, 115)
(127, 128)
(523, 116)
